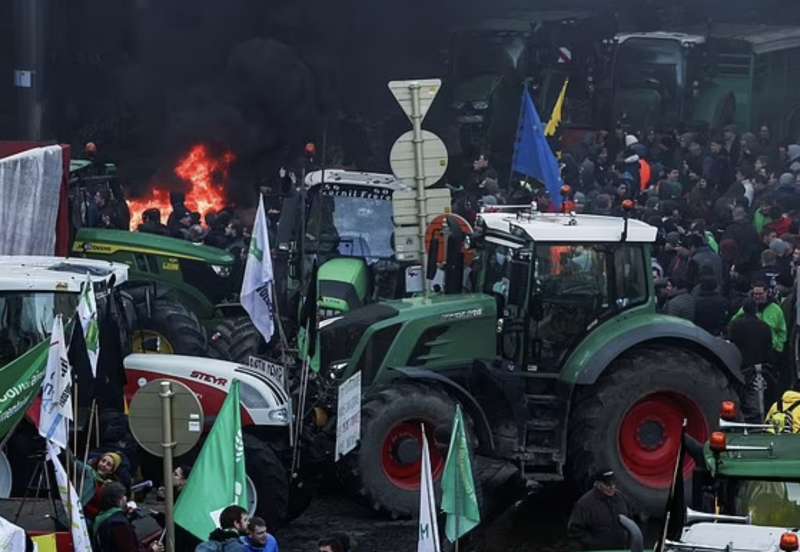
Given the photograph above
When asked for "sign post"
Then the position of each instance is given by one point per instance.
(167, 444)
(415, 98)
(166, 419)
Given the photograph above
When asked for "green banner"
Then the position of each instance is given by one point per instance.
(218, 478)
(21, 380)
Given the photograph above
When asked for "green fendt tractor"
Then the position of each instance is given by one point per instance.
(557, 356)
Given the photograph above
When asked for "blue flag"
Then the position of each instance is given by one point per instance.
(532, 154)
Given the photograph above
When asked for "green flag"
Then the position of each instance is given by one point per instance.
(218, 478)
(459, 500)
(20, 382)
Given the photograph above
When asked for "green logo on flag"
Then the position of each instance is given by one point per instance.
(255, 249)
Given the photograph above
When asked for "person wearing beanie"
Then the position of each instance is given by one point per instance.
(711, 308)
(102, 471)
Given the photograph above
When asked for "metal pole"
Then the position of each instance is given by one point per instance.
(167, 444)
(419, 170)
(29, 18)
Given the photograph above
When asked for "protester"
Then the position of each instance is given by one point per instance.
(680, 303)
(97, 474)
(770, 313)
(753, 337)
(594, 522)
(258, 539)
(151, 223)
(111, 530)
(232, 525)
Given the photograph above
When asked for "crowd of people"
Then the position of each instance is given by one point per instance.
(727, 209)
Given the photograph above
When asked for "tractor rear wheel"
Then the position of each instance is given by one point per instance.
(170, 329)
(385, 469)
(630, 421)
(236, 340)
(269, 479)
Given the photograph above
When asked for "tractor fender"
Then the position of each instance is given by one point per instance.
(589, 360)
(473, 408)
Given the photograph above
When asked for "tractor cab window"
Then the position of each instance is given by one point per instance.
(27, 318)
(571, 293)
(350, 221)
(504, 273)
(630, 275)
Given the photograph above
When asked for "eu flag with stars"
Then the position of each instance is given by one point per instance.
(532, 154)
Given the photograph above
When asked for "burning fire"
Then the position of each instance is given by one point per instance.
(206, 177)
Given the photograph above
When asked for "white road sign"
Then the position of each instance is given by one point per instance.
(434, 158)
(348, 415)
(428, 88)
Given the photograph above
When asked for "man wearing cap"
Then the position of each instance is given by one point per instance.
(594, 523)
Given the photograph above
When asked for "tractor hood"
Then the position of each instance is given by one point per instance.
(781, 462)
(107, 242)
(733, 537)
(343, 283)
(263, 397)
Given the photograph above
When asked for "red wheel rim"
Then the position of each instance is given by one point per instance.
(406, 474)
(649, 437)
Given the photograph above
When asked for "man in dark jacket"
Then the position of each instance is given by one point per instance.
(232, 525)
(681, 303)
(594, 523)
(112, 530)
(753, 337)
(151, 222)
(742, 231)
(703, 260)
(710, 307)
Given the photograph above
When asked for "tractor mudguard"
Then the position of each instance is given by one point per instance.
(588, 362)
(482, 427)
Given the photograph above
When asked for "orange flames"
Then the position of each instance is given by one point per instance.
(206, 178)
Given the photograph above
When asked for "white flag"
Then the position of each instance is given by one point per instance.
(69, 498)
(256, 294)
(87, 312)
(56, 406)
(428, 528)
(11, 537)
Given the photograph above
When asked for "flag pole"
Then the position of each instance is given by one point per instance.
(457, 485)
(75, 434)
(88, 440)
(520, 115)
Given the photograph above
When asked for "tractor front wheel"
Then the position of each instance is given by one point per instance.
(630, 421)
(170, 329)
(268, 481)
(385, 469)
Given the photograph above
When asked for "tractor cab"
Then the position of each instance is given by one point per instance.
(343, 237)
(556, 277)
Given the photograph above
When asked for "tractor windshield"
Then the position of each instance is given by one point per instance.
(351, 221)
(770, 503)
(26, 319)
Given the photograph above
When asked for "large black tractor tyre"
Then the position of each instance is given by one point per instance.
(236, 340)
(384, 469)
(268, 479)
(630, 421)
(171, 328)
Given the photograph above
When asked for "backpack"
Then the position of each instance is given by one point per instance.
(784, 415)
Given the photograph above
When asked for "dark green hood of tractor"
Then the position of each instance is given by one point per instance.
(342, 284)
(98, 242)
(434, 332)
(780, 463)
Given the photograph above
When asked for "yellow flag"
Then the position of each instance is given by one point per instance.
(555, 117)
(45, 543)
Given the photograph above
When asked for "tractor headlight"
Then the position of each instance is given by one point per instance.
(279, 415)
(480, 106)
(222, 271)
(337, 367)
(324, 314)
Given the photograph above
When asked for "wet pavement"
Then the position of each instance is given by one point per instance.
(537, 523)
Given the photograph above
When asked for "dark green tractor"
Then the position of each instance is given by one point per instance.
(557, 356)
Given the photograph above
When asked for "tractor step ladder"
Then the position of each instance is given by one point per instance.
(541, 457)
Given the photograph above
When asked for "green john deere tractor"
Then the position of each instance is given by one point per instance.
(557, 356)
(188, 288)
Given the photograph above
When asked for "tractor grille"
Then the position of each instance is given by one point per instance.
(339, 339)
(375, 352)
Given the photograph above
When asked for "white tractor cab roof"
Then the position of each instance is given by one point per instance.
(731, 536)
(62, 274)
(353, 178)
(263, 396)
(682, 38)
(563, 228)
